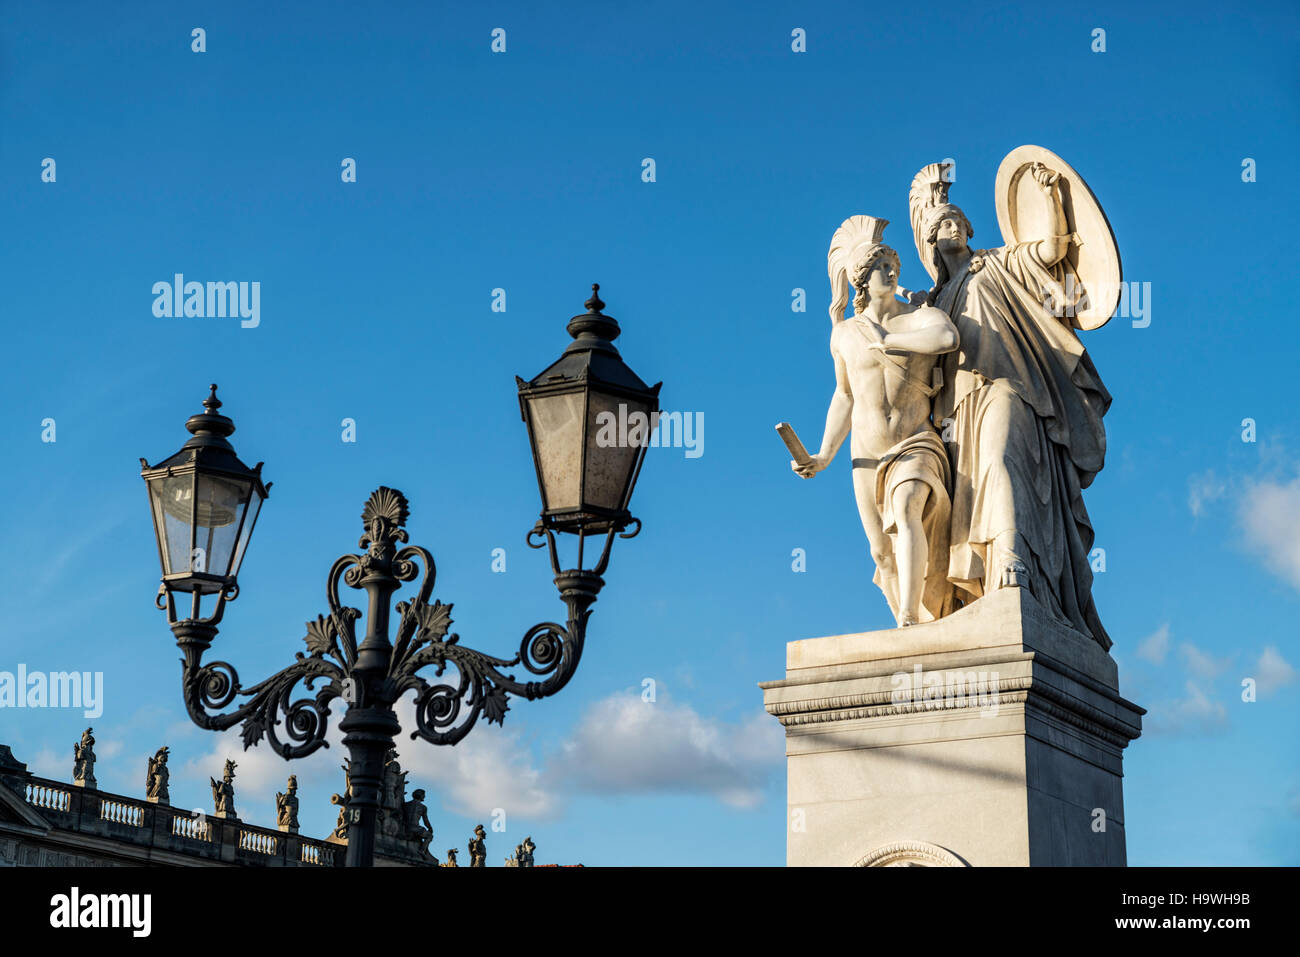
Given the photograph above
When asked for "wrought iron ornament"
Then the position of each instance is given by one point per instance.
(372, 675)
(548, 651)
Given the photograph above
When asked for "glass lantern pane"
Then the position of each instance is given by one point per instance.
(221, 503)
(557, 432)
(254, 506)
(172, 498)
(619, 428)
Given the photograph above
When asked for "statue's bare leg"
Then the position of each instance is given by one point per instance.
(911, 551)
(882, 551)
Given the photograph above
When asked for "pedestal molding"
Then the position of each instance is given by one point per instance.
(1013, 691)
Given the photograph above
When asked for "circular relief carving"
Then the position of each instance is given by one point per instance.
(911, 854)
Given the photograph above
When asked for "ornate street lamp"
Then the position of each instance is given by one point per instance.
(205, 501)
(589, 419)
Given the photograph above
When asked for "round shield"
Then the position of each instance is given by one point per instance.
(1023, 215)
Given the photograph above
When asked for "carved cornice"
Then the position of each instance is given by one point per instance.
(1017, 690)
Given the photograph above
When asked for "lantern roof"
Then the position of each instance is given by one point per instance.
(208, 447)
(592, 355)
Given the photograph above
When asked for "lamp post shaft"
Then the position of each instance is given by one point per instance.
(369, 734)
(370, 726)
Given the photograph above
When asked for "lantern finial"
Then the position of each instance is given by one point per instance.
(593, 329)
(210, 422)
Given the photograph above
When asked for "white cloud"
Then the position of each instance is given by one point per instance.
(1194, 713)
(1203, 489)
(1155, 646)
(1272, 671)
(1201, 664)
(621, 745)
(1270, 514)
(625, 745)
(47, 764)
(491, 768)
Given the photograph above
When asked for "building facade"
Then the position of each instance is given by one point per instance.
(50, 823)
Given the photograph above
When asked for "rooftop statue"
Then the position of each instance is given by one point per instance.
(83, 764)
(223, 791)
(478, 847)
(286, 806)
(155, 782)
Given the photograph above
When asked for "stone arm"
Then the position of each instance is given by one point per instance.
(839, 420)
(1052, 248)
(934, 335)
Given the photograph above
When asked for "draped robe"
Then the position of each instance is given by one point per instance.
(1026, 434)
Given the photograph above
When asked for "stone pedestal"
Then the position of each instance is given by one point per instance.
(992, 737)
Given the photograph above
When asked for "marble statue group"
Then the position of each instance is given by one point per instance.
(972, 410)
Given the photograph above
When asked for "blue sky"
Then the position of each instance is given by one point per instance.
(522, 171)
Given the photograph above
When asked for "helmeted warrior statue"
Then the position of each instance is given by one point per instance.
(83, 765)
(478, 847)
(223, 792)
(155, 782)
(286, 806)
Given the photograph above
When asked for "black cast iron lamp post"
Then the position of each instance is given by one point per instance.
(205, 501)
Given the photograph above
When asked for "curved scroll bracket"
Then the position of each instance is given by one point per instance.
(214, 686)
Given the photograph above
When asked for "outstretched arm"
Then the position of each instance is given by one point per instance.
(839, 419)
(934, 334)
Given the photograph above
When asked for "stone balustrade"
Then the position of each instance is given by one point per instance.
(194, 828)
(76, 823)
(121, 812)
(49, 797)
(319, 854)
(258, 842)
(144, 832)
